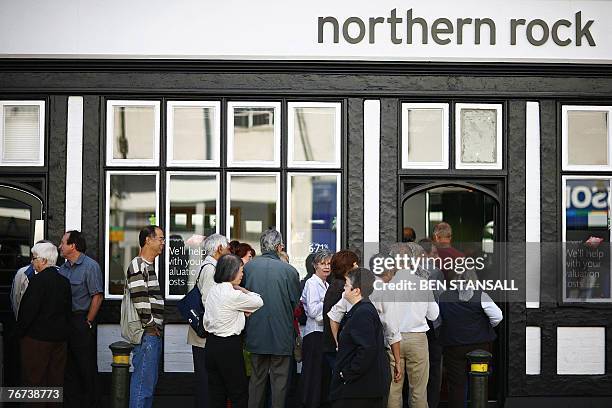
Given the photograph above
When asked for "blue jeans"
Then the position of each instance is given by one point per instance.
(144, 378)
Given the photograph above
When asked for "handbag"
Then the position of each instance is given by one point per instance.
(131, 326)
(192, 309)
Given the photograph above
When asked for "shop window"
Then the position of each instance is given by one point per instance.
(253, 205)
(478, 137)
(22, 133)
(425, 140)
(193, 133)
(586, 135)
(132, 133)
(313, 209)
(253, 134)
(131, 202)
(586, 234)
(192, 206)
(314, 134)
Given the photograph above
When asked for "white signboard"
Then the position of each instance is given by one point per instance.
(445, 30)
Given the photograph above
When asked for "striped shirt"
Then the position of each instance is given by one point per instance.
(145, 292)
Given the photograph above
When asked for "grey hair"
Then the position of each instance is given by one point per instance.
(321, 256)
(212, 242)
(45, 250)
(443, 230)
(269, 240)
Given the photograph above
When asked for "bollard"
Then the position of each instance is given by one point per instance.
(120, 381)
(479, 377)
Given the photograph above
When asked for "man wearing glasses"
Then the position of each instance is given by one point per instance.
(81, 382)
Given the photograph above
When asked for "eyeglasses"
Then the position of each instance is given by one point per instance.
(160, 239)
(36, 257)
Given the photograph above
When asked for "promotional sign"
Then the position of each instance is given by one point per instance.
(468, 30)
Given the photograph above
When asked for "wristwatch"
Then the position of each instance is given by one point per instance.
(89, 323)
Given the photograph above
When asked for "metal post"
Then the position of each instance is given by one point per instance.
(479, 377)
(120, 382)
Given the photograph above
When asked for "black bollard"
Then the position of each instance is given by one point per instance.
(479, 377)
(120, 381)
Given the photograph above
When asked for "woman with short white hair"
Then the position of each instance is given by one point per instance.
(43, 321)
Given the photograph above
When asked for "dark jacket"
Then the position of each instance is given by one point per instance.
(332, 296)
(361, 358)
(464, 323)
(46, 307)
(270, 329)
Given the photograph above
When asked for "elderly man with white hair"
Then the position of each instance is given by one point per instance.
(215, 246)
(43, 321)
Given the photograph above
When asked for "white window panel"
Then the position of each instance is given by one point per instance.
(313, 215)
(533, 350)
(132, 202)
(586, 138)
(196, 195)
(478, 136)
(315, 134)
(22, 133)
(586, 213)
(177, 353)
(132, 133)
(252, 197)
(253, 134)
(581, 350)
(194, 133)
(425, 138)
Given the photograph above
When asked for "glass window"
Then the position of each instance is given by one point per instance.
(193, 133)
(314, 132)
(131, 203)
(586, 233)
(133, 133)
(313, 215)
(478, 141)
(191, 215)
(425, 135)
(253, 134)
(22, 128)
(586, 138)
(253, 206)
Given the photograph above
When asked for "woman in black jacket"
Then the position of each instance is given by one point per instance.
(361, 374)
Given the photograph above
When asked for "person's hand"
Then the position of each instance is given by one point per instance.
(397, 373)
(240, 288)
(247, 314)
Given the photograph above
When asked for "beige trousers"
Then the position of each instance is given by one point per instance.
(414, 362)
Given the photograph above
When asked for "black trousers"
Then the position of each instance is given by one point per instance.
(81, 385)
(455, 364)
(201, 377)
(435, 369)
(312, 369)
(43, 364)
(226, 372)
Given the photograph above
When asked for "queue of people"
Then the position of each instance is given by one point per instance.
(357, 348)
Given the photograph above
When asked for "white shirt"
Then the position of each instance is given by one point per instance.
(411, 310)
(492, 311)
(206, 281)
(225, 307)
(20, 284)
(312, 299)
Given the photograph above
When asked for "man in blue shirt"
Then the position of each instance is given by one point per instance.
(81, 385)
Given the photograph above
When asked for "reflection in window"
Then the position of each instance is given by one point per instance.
(587, 237)
(252, 206)
(253, 134)
(425, 135)
(587, 142)
(192, 216)
(135, 131)
(314, 131)
(313, 223)
(194, 133)
(15, 237)
(132, 204)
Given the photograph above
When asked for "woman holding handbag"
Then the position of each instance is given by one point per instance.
(227, 306)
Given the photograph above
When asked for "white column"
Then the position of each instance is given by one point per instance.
(532, 204)
(74, 163)
(371, 177)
